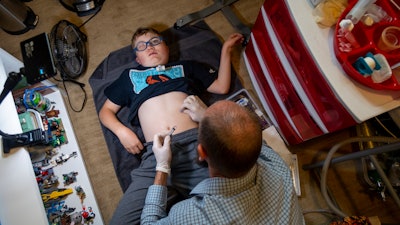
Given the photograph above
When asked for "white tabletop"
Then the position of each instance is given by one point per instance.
(362, 102)
(20, 200)
(19, 193)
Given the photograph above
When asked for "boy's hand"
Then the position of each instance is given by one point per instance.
(194, 107)
(162, 152)
(130, 141)
(234, 39)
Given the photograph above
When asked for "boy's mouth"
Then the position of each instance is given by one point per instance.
(152, 53)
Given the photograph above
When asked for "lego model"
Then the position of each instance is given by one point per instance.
(58, 194)
(70, 178)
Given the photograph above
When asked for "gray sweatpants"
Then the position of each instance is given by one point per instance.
(186, 173)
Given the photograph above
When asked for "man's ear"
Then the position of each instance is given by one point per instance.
(201, 151)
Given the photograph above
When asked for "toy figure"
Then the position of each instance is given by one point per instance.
(88, 215)
(80, 192)
(70, 178)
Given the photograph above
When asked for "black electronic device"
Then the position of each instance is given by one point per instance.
(29, 138)
(63, 49)
(37, 58)
(83, 7)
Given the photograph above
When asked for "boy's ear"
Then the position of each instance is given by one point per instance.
(137, 60)
(201, 151)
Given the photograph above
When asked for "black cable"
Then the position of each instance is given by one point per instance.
(81, 85)
(91, 17)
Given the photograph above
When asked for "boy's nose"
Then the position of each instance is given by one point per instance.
(150, 46)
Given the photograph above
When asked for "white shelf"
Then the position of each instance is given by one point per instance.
(20, 193)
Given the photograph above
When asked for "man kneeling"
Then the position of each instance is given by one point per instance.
(249, 183)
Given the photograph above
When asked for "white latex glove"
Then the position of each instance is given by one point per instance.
(194, 107)
(162, 152)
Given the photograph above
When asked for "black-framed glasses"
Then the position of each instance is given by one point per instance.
(142, 45)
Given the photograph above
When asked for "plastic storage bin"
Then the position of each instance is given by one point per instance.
(291, 87)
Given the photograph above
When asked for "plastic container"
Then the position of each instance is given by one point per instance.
(368, 37)
(390, 39)
(34, 100)
(358, 10)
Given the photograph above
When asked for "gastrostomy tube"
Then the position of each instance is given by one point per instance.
(171, 131)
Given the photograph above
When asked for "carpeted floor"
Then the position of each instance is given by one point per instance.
(111, 29)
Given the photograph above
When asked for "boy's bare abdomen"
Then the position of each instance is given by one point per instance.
(161, 113)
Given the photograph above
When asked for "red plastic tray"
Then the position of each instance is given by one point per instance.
(368, 37)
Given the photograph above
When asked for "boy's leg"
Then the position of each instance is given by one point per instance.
(186, 172)
(131, 204)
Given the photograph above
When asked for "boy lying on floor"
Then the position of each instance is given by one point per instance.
(154, 93)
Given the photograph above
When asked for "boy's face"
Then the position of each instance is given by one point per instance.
(153, 55)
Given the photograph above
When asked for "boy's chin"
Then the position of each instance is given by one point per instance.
(155, 64)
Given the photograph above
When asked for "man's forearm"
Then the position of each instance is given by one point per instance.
(155, 207)
(161, 178)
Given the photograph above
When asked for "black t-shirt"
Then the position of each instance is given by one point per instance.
(136, 85)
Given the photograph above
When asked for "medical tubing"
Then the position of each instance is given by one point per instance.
(328, 160)
(356, 155)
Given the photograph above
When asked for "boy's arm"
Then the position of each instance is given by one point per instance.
(222, 83)
(127, 137)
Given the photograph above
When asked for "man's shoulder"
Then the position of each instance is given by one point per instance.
(268, 157)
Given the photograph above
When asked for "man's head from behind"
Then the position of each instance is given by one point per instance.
(149, 47)
(230, 139)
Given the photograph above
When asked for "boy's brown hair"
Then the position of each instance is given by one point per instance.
(142, 31)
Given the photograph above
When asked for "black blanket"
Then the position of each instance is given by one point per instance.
(196, 42)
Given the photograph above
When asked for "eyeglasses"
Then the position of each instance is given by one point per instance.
(141, 45)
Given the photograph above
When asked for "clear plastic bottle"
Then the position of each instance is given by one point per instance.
(358, 10)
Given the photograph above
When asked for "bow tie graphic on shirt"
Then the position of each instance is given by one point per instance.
(144, 78)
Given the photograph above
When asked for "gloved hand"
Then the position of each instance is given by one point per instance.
(162, 152)
(194, 107)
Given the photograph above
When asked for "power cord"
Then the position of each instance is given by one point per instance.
(90, 18)
(81, 85)
(385, 128)
(328, 160)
